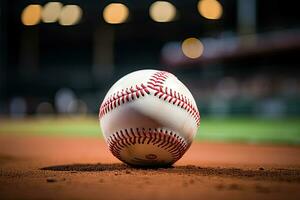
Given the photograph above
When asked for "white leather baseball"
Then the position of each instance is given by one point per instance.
(149, 118)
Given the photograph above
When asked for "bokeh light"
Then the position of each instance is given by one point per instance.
(45, 108)
(51, 12)
(115, 13)
(210, 9)
(70, 15)
(63, 98)
(17, 107)
(31, 15)
(77, 106)
(162, 11)
(171, 52)
(192, 48)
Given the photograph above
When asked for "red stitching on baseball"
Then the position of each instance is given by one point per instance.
(121, 97)
(163, 139)
(165, 93)
(155, 83)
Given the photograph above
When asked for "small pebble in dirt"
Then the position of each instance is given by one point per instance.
(261, 168)
(128, 172)
(101, 180)
(220, 186)
(192, 181)
(51, 180)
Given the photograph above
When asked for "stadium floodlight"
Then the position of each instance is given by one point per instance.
(51, 12)
(162, 11)
(115, 13)
(31, 15)
(210, 9)
(192, 48)
(70, 15)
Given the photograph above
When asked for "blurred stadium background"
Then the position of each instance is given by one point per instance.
(240, 59)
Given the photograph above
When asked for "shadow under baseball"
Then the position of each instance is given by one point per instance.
(288, 175)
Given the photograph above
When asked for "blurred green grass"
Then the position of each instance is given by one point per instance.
(238, 129)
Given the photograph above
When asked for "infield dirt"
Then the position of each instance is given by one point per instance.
(83, 168)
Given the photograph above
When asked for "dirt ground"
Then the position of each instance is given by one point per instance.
(82, 168)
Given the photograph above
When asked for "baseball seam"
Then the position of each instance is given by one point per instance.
(162, 138)
(156, 83)
(123, 96)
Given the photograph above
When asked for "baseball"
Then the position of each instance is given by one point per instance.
(149, 118)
